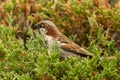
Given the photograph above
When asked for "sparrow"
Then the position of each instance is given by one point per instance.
(52, 35)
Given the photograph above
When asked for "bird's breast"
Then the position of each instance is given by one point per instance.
(50, 41)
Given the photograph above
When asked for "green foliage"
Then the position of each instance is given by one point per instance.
(35, 63)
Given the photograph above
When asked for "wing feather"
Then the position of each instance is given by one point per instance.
(68, 45)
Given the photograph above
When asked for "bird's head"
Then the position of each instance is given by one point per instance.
(48, 26)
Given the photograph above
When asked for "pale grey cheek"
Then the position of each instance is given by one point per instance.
(43, 31)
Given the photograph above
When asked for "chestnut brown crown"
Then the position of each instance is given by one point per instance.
(49, 26)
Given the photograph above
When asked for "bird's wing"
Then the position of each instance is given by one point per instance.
(68, 45)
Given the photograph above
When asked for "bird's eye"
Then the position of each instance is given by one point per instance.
(41, 25)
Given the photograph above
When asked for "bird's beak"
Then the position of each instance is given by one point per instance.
(35, 26)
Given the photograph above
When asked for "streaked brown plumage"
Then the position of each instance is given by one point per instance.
(68, 48)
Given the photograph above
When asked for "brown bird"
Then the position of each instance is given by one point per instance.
(52, 35)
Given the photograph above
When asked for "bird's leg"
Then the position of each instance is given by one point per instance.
(34, 34)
